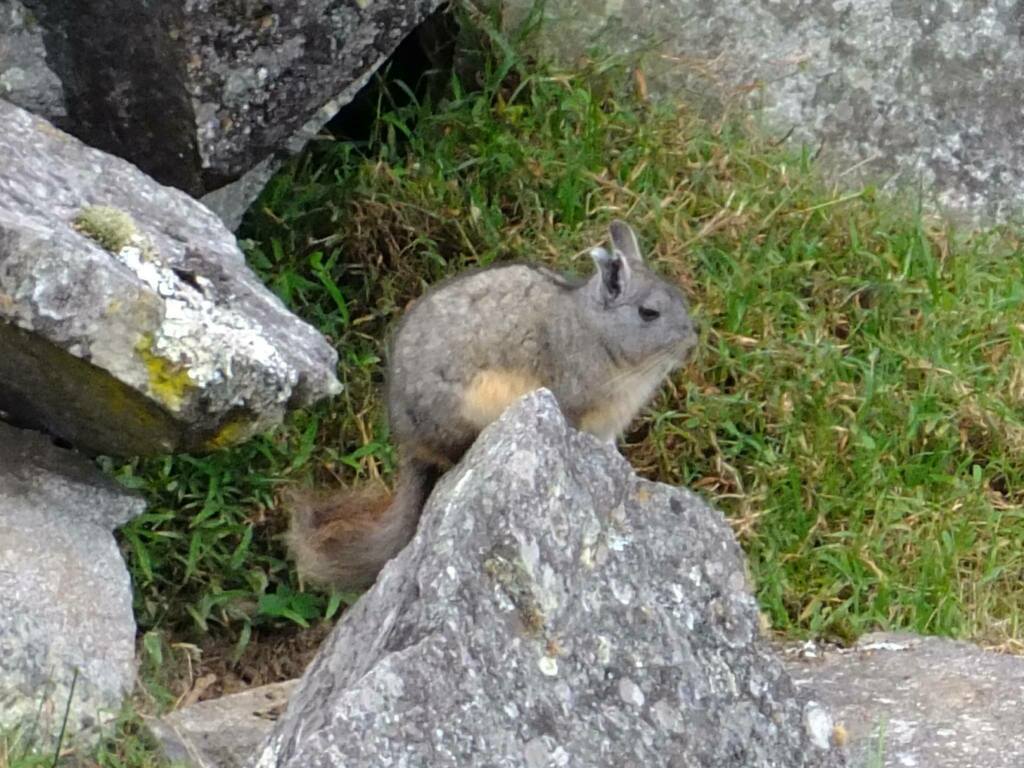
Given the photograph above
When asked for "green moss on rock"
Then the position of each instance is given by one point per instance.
(112, 228)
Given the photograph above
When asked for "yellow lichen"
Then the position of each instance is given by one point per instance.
(230, 432)
(112, 228)
(168, 381)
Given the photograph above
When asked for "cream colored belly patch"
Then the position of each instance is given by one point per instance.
(492, 391)
(623, 400)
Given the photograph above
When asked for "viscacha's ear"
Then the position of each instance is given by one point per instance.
(614, 274)
(624, 241)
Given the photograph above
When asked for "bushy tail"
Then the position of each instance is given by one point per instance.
(343, 538)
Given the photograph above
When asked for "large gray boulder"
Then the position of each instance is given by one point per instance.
(907, 94)
(65, 594)
(129, 321)
(198, 93)
(553, 610)
(929, 702)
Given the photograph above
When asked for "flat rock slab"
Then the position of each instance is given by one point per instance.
(129, 321)
(224, 732)
(65, 594)
(553, 610)
(925, 702)
(901, 93)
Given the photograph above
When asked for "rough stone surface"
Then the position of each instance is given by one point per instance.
(553, 610)
(165, 341)
(902, 700)
(920, 701)
(65, 595)
(910, 94)
(25, 77)
(231, 201)
(198, 93)
(224, 732)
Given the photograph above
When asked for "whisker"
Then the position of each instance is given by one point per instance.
(655, 362)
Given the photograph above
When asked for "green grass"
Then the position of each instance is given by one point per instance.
(855, 408)
(124, 744)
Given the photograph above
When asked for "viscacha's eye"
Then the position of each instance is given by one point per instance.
(647, 314)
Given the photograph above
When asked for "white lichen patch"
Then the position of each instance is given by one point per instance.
(630, 692)
(587, 557)
(529, 553)
(668, 716)
(617, 542)
(538, 753)
(525, 465)
(819, 725)
(548, 665)
(206, 342)
(623, 591)
(887, 645)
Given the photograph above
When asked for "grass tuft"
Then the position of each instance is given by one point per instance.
(126, 743)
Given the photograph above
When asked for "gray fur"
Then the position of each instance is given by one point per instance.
(578, 339)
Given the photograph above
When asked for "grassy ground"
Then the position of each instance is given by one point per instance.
(126, 744)
(855, 409)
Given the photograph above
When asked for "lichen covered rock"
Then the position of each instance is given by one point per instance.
(129, 322)
(553, 610)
